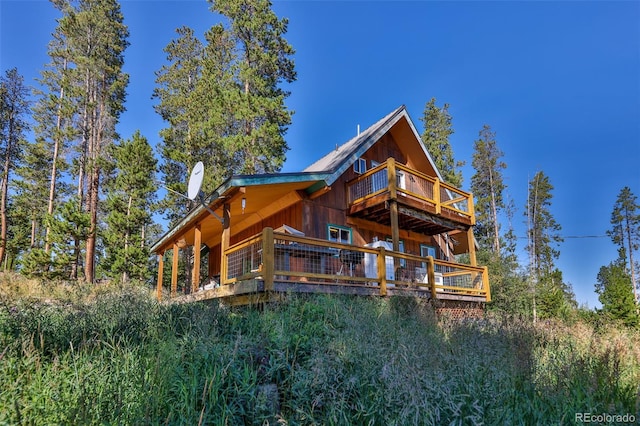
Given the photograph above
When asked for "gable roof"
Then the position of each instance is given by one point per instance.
(340, 159)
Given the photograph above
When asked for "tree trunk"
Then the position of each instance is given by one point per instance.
(54, 164)
(89, 273)
(631, 265)
(33, 233)
(494, 213)
(3, 199)
(125, 275)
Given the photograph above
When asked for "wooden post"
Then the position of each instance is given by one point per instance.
(382, 270)
(470, 207)
(472, 247)
(393, 210)
(268, 257)
(160, 277)
(391, 176)
(436, 196)
(485, 283)
(224, 241)
(431, 273)
(195, 274)
(174, 271)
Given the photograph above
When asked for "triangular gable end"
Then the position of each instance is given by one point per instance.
(398, 122)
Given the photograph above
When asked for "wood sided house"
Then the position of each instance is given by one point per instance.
(372, 217)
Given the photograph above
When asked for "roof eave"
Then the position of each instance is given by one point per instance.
(318, 179)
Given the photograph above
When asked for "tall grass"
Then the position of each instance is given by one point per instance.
(118, 357)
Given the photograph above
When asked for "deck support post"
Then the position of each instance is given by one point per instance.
(382, 270)
(195, 274)
(485, 283)
(224, 241)
(393, 209)
(160, 277)
(471, 241)
(174, 271)
(268, 256)
(431, 273)
(436, 196)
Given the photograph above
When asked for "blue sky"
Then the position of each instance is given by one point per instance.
(559, 83)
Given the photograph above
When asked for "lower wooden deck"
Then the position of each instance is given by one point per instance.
(253, 292)
(271, 264)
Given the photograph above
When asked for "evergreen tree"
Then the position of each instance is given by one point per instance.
(543, 230)
(437, 129)
(551, 295)
(14, 109)
(69, 226)
(130, 202)
(263, 63)
(32, 192)
(96, 38)
(615, 294)
(176, 84)
(625, 232)
(488, 186)
(54, 114)
(223, 101)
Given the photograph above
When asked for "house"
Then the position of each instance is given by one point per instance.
(372, 217)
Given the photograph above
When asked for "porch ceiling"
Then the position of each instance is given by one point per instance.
(261, 202)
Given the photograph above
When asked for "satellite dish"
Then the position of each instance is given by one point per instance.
(195, 181)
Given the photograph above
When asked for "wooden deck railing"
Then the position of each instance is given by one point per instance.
(283, 258)
(398, 180)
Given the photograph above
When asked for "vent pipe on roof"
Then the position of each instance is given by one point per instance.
(358, 130)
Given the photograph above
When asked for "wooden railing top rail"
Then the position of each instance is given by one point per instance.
(368, 173)
(268, 269)
(455, 195)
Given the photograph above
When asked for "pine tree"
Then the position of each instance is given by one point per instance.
(487, 185)
(176, 84)
(69, 226)
(615, 294)
(96, 38)
(625, 232)
(130, 202)
(14, 110)
(54, 114)
(551, 295)
(223, 101)
(32, 191)
(543, 230)
(263, 63)
(437, 129)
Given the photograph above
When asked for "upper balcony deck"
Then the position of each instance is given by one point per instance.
(425, 204)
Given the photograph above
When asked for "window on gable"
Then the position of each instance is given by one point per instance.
(339, 234)
(360, 166)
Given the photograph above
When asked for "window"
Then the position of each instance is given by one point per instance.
(339, 234)
(425, 251)
(379, 180)
(360, 166)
